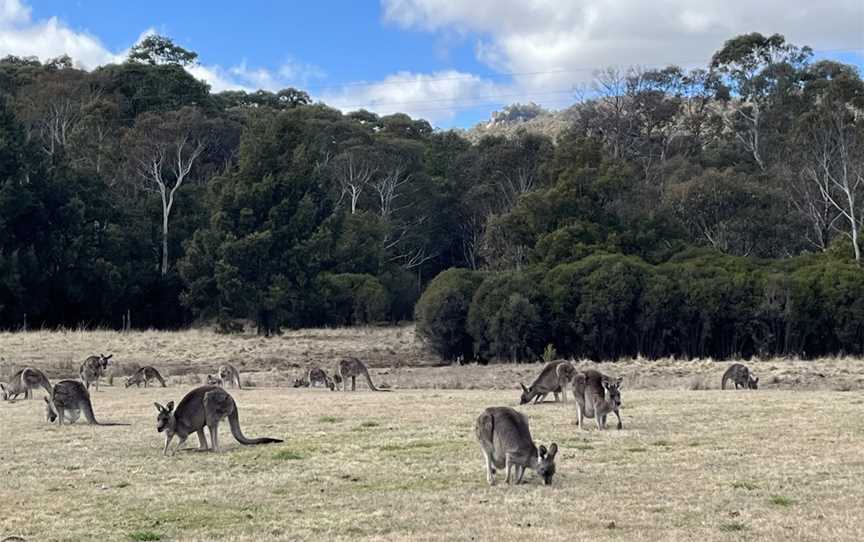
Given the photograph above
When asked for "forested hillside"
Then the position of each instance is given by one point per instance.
(700, 212)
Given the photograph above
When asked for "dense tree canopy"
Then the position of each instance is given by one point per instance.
(710, 212)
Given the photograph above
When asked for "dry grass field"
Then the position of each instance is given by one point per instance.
(706, 465)
(783, 463)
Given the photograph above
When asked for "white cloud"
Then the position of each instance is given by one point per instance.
(20, 35)
(567, 41)
(434, 96)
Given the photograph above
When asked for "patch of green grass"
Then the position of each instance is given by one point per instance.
(366, 425)
(329, 419)
(733, 527)
(637, 449)
(121, 485)
(287, 455)
(664, 443)
(583, 447)
(749, 486)
(780, 500)
(145, 535)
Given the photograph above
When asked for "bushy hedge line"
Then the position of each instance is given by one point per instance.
(608, 306)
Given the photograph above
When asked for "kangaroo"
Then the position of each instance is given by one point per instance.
(315, 375)
(213, 381)
(23, 382)
(93, 369)
(145, 375)
(228, 373)
(506, 442)
(72, 397)
(741, 376)
(203, 406)
(553, 378)
(596, 396)
(352, 368)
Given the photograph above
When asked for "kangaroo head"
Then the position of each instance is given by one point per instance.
(526, 394)
(104, 360)
(612, 391)
(546, 462)
(224, 372)
(754, 382)
(50, 412)
(212, 380)
(165, 418)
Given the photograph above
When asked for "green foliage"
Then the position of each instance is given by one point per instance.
(442, 313)
(157, 49)
(350, 298)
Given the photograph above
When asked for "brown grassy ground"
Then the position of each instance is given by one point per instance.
(397, 358)
(774, 465)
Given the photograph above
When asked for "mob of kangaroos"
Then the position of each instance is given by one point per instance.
(93, 369)
(23, 382)
(203, 406)
(741, 376)
(554, 378)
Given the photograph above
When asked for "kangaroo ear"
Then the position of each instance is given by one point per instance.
(553, 450)
(46, 400)
(620, 382)
(170, 406)
(542, 451)
(523, 387)
(159, 407)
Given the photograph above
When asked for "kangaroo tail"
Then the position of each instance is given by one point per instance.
(87, 409)
(723, 382)
(369, 381)
(234, 422)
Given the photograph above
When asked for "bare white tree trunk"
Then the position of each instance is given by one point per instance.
(353, 176)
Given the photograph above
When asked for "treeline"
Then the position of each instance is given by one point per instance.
(606, 306)
(133, 189)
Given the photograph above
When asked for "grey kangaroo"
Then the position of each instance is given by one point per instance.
(23, 382)
(93, 369)
(554, 378)
(741, 376)
(143, 376)
(315, 375)
(352, 368)
(229, 373)
(596, 396)
(69, 399)
(507, 444)
(203, 406)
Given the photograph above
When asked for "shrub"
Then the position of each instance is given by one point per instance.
(442, 313)
(350, 298)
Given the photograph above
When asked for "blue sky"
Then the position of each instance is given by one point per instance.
(444, 60)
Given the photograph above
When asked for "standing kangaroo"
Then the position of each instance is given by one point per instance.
(352, 368)
(93, 369)
(506, 442)
(23, 382)
(69, 399)
(229, 373)
(741, 376)
(596, 396)
(145, 375)
(203, 406)
(553, 378)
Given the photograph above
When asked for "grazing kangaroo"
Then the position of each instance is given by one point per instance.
(596, 396)
(93, 369)
(23, 382)
(506, 442)
(553, 378)
(741, 376)
(203, 406)
(228, 373)
(315, 375)
(145, 375)
(71, 397)
(352, 368)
